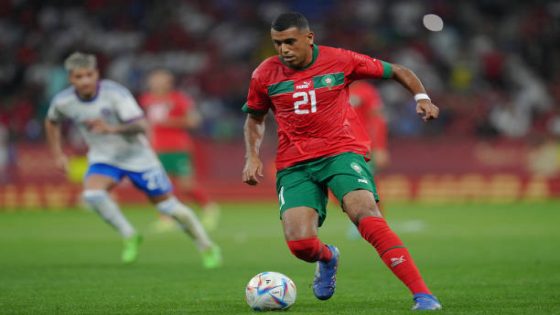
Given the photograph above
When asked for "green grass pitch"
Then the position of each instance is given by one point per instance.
(477, 258)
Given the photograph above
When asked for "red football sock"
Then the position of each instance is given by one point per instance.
(393, 253)
(310, 250)
(198, 195)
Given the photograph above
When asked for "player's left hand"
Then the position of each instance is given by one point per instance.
(381, 158)
(427, 110)
(99, 126)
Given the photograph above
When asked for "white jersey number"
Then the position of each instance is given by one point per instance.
(155, 179)
(303, 99)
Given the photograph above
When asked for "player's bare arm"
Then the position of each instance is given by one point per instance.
(55, 144)
(101, 126)
(407, 78)
(254, 133)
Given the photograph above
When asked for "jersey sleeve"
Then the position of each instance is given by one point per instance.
(127, 108)
(366, 67)
(258, 102)
(54, 113)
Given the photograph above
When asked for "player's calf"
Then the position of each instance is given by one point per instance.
(100, 201)
(185, 216)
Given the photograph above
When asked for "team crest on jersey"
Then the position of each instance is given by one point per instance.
(328, 80)
(356, 167)
(106, 112)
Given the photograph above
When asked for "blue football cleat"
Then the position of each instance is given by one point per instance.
(325, 276)
(425, 302)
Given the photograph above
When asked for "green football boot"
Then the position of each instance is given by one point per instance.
(130, 248)
(212, 257)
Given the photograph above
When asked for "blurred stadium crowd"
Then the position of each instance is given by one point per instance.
(493, 69)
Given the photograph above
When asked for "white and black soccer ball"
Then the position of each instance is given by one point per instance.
(270, 291)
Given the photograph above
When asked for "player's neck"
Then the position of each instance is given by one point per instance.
(162, 94)
(88, 97)
(311, 57)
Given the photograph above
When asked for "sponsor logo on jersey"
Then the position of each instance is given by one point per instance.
(304, 85)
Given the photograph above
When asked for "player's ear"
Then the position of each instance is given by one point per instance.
(71, 76)
(310, 36)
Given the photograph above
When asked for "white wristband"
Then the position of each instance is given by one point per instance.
(421, 96)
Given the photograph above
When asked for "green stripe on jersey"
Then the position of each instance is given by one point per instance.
(328, 80)
(281, 88)
(387, 70)
(248, 110)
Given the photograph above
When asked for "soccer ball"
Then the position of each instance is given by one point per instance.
(269, 291)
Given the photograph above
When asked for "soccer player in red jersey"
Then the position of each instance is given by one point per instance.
(170, 113)
(323, 146)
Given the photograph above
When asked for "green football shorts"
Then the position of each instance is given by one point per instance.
(307, 183)
(177, 164)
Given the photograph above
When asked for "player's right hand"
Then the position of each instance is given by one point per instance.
(61, 163)
(252, 170)
(427, 110)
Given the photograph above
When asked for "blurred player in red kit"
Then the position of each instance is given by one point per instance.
(322, 145)
(170, 113)
(367, 103)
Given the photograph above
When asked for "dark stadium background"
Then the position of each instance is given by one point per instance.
(493, 70)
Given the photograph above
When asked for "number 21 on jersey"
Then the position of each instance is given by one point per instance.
(303, 98)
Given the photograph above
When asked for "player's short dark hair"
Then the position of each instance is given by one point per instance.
(290, 19)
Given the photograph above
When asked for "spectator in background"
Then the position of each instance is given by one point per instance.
(508, 46)
(170, 113)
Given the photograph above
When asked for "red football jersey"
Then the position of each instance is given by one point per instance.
(368, 104)
(311, 105)
(161, 108)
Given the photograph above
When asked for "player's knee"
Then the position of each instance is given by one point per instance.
(94, 196)
(357, 209)
(359, 215)
(168, 206)
(306, 249)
